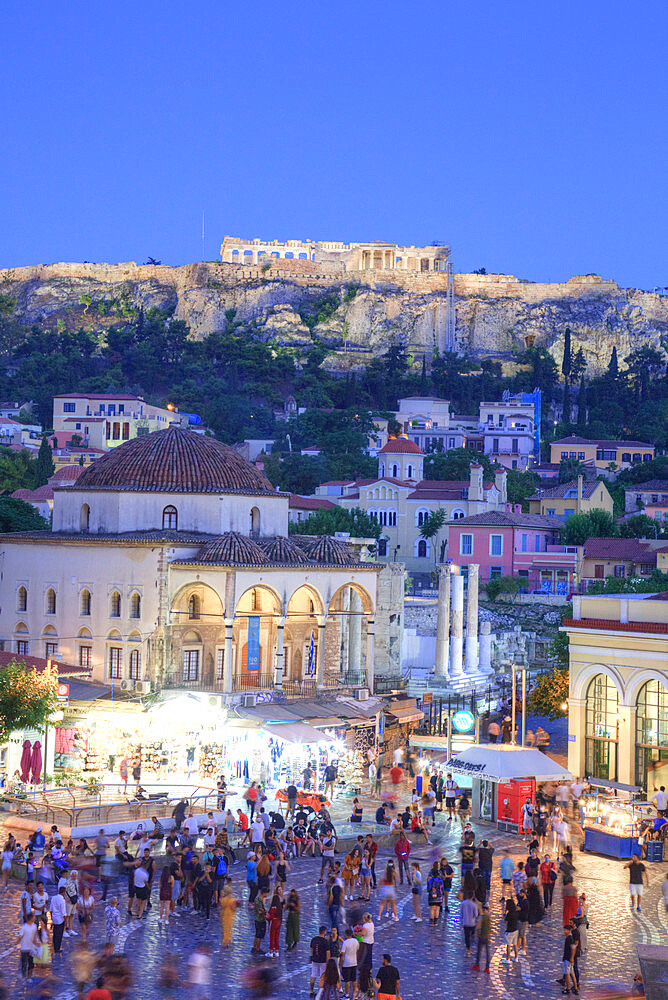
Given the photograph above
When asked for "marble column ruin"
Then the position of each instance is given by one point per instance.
(457, 639)
(472, 619)
(443, 623)
(485, 662)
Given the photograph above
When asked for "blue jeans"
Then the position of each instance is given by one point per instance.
(335, 917)
(487, 879)
(482, 945)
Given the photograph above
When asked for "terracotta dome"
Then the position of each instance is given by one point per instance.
(400, 446)
(232, 549)
(175, 460)
(326, 551)
(285, 552)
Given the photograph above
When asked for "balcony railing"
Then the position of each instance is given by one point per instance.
(249, 682)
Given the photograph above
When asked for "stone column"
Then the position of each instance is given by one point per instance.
(370, 653)
(457, 640)
(485, 649)
(355, 634)
(443, 623)
(320, 658)
(576, 727)
(228, 658)
(280, 655)
(626, 746)
(472, 619)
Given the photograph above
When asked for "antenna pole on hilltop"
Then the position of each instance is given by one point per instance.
(203, 235)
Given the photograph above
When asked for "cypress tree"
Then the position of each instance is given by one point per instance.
(613, 366)
(44, 467)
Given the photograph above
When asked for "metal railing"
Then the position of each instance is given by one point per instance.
(249, 682)
(80, 806)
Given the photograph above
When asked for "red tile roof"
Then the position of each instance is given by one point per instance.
(39, 663)
(632, 549)
(400, 446)
(34, 496)
(297, 502)
(506, 519)
(175, 460)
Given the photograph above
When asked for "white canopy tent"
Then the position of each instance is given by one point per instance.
(500, 763)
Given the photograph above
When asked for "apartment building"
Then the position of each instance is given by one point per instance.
(105, 420)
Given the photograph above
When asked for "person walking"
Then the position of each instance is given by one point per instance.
(548, 877)
(493, 731)
(485, 864)
(227, 909)
(434, 895)
(28, 944)
(387, 980)
(637, 881)
(402, 850)
(335, 902)
(58, 910)
(416, 893)
(484, 929)
(331, 774)
(293, 906)
(85, 909)
(319, 957)
(450, 790)
(510, 917)
(469, 916)
(112, 922)
(165, 894)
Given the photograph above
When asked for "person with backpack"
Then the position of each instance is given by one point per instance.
(219, 870)
(434, 895)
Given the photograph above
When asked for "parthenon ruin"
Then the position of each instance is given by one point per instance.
(375, 255)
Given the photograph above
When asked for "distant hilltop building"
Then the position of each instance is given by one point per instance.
(375, 255)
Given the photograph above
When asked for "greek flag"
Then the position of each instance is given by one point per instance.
(311, 656)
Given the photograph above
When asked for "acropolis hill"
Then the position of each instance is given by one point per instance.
(380, 293)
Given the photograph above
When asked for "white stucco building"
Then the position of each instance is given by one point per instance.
(169, 563)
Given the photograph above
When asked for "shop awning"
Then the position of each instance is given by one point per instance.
(503, 763)
(297, 732)
(407, 714)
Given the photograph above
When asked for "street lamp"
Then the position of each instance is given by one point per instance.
(396, 549)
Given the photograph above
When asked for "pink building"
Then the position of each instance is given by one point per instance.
(506, 543)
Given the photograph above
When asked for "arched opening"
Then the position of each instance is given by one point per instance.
(409, 472)
(84, 518)
(115, 605)
(50, 637)
(422, 549)
(255, 522)
(50, 604)
(601, 728)
(170, 518)
(395, 471)
(22, 599)
(194, 606)
(457, 514)
(85, 644)
(22, 642)
(135, 605)
(84, 603)
(651, 734)
(255, 638)
(381, 470)
(347, 630)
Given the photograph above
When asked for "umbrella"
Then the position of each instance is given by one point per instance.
(504, 762)
(36, 762)
(25, 760)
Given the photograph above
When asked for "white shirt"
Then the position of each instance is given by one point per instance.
(199, 969)
(372, 772)
(39, 901)
(661, 800)
(58, 909)
(398, 755)
(141, 877)
(191, 825)
(368, 932)
(27, 936)
(349, 949)
(121, 844)
(396, 824)
(209, 838)
(257, 831)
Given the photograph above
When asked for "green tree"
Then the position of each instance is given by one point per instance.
(27, 698)
(566, 365)
(17, 515)
(520, 486)
(17, 470)
(44, 468)
(454, 464)
(550, 694)
(640, 526)
(431, 526)
(570, 469)
(510, 585)
(329, 520)
(613, 366)
(596, 524)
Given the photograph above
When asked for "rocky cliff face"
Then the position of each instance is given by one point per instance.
(363, 312)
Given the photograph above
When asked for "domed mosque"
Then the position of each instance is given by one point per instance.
(169, 565)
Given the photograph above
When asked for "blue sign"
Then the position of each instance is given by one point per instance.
(311, 657)
(381, 726)
(463, 722)
(253, 649)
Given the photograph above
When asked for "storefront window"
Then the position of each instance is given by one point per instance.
(651, 733)
(601, 728)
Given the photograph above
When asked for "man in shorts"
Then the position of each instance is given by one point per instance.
(387, 980)
(567, 962)
(450, 791)
(349, 951)
(637, 880)
(319, 956)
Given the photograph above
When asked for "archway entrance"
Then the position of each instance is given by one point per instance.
(602, 728)
(303, 635)
(255, 634)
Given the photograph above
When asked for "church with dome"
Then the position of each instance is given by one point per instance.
(169, 565)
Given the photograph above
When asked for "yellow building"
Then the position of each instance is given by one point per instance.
(576, 497)
(601, 454)
(618, 695)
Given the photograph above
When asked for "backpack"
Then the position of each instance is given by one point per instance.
(221, 870)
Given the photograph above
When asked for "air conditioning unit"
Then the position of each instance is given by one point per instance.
(248, 701)
(142, 687)
(127, 685)
(362, 694)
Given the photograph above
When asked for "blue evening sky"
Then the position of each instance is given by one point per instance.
(532, 137)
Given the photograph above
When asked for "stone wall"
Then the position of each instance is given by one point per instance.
(389, 621)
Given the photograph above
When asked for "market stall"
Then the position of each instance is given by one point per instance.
(613, 819)
(502, 778)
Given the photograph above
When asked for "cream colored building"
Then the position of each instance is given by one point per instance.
(105, 420)
(618, 693)
(575, 497)
(401, 500)
(169, 564)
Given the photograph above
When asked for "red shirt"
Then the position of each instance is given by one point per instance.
(99, 994)
(402, 848)
(396, 774)
(545, 869)
(243, 821)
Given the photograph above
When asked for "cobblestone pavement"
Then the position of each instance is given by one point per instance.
(426, 957)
